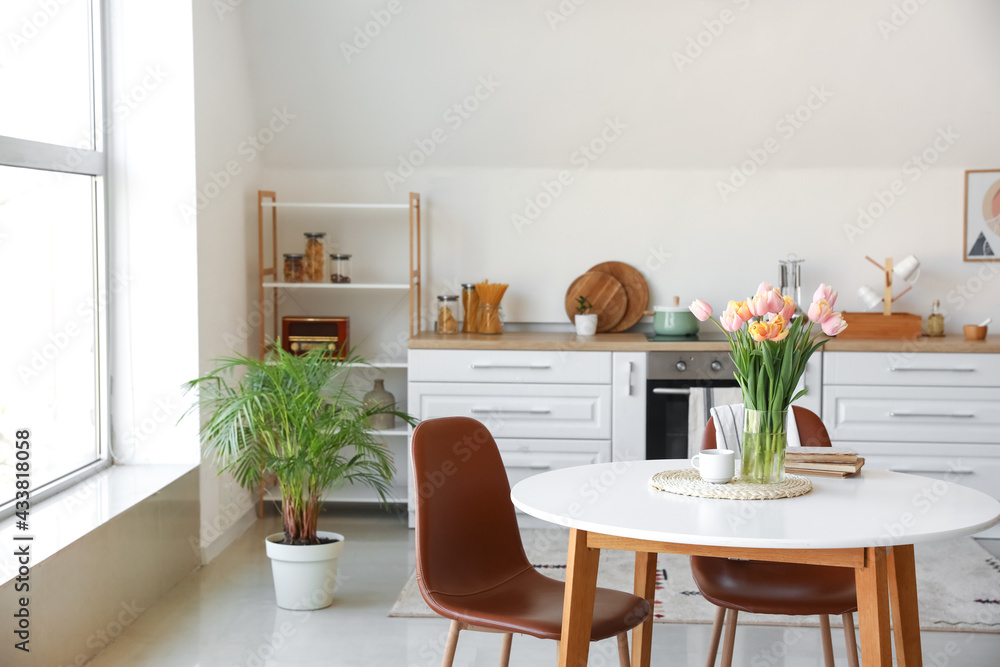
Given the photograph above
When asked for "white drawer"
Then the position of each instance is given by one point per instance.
(914, 414)
(521, 463)
(520, 411)
(520, 366)
(911, 369)
(980, 473)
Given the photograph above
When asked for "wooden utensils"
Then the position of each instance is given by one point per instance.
(606, 295)
(636, 292)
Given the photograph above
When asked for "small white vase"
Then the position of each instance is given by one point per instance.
(304, 575)
(586, 325)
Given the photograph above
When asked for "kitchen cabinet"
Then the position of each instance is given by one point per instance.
(545, 409)
(628, 406)
(930, 414)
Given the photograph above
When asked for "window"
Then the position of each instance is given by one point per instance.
(52, 241)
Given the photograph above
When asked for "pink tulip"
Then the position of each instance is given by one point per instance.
(789, 308)
(701, 310)
(731, 321)
(826, 293)
(834, 324)
(764, 303)
(819, 311)
(760, 331)
(742, 309)
(764, 288)
(778, 328)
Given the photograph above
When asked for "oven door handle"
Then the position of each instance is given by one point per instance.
(672, 391)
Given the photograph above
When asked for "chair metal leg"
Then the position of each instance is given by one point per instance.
(505, 649)
(623, 657)
(852, 641)
(824, 629)
(713, 647)
(730, 640)
(451, 644)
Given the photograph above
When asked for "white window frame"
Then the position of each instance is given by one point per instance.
(27, 154)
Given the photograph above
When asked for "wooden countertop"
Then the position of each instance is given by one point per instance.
(634, 342)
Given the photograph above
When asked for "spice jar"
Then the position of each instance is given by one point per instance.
(470, 306)
(294, 268)
(447, 314)
(315, 257)
(935, 321)
(340, 268)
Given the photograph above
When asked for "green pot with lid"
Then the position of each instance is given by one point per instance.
(675, 320)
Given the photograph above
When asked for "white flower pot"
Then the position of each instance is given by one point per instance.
(304, 575)
(586, 325)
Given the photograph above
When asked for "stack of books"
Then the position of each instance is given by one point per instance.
(825, 461)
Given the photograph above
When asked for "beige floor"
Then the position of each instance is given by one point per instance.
(224, 616)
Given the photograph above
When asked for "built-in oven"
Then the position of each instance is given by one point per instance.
(681, 389)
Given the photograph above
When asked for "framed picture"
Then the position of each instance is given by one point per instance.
(982, 216)
(301, 334)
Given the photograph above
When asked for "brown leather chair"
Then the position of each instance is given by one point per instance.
(777, 588)
(471, 565)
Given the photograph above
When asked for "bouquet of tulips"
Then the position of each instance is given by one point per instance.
(770, 349)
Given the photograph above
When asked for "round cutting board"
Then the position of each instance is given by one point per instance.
(636, 290)
(604, 292)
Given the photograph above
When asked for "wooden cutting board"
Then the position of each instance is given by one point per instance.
(604, 292)
(636, 289)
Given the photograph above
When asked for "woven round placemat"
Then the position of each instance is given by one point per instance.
(688, 482)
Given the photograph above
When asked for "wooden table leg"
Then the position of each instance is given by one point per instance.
(578, 605)
(645, 587)
(873, 609)
(903, 600)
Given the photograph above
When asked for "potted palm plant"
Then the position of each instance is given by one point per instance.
(294, 416)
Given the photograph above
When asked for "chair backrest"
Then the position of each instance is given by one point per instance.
(467, 535)
(812, 432)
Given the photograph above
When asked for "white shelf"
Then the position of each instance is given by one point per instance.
(275, 204)
(284, 285)
(392, 431)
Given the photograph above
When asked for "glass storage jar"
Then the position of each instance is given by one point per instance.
(470, 308)
(447, 322)
(315, 261)
(294, 271)
(340, 268)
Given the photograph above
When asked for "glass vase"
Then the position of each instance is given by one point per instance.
(764, 440)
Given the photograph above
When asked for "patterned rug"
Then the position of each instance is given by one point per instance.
(958, 585)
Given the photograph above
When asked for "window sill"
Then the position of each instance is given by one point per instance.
(64, 518)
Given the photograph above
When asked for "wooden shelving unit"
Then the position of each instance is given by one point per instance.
(269, 279)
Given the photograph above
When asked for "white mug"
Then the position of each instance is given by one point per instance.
(715, 465)
(906, 269)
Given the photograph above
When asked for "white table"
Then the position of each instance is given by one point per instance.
(869, 522)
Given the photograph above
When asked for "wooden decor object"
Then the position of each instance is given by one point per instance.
(876, 326)
(636, 291)
(605, 294)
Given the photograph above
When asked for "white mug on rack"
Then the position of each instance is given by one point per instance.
(715, 465)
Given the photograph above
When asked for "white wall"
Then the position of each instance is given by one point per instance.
(225, 210)
(886, 95)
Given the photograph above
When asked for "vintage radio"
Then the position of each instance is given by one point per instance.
(301, 334)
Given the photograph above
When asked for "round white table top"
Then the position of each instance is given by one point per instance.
(874, 508)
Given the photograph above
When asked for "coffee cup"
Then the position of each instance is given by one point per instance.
(715, 465)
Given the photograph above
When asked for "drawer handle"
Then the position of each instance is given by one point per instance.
(514, 411)
(533, 367)
(953, 471)
(529, 466)
(894, 369)
(672, 391)
(950, 415)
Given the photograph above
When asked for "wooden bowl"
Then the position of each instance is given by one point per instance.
(974, 332)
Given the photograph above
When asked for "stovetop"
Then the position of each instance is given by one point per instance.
(705, 337)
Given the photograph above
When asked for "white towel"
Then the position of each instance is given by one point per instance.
(729, 428)
(696, 419)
